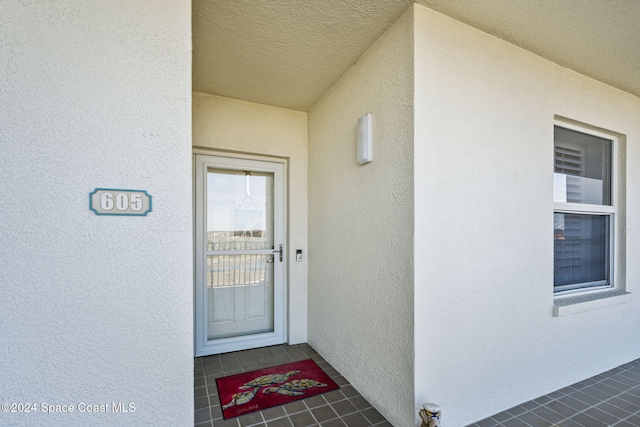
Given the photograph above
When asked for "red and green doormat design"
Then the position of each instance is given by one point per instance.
(257, 390)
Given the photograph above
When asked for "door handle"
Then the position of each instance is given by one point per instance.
(279, 251)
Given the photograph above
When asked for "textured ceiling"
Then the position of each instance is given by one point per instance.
(279, 52)
(288, 53)
(598, 38)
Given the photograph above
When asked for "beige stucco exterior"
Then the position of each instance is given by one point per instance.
(95, 310)
(426, 274)
(360, 226)
(485, 336)
(481, 250)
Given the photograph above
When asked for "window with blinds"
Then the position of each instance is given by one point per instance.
(583, 215)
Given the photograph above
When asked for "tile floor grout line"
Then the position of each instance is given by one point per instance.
(220, 365)
(578, 412)
(608, 375)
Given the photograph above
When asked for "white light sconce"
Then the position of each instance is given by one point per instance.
(365, 139)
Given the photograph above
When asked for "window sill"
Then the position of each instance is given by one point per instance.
(578, 303)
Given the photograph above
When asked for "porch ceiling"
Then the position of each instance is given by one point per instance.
(288, 53)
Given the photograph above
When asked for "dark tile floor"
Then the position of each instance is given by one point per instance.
(609, 399)
(339, 408)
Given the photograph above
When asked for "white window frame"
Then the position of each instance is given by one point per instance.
(589, 209)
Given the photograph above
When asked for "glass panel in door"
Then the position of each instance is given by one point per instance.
(239, 253)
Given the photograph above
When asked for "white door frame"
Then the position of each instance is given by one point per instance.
(204, 346)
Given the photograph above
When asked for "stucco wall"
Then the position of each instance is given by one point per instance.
(231, 126)
(485, 337)
(360, 226)
(95, 310)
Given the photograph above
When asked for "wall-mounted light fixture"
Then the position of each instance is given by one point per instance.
(365, 139)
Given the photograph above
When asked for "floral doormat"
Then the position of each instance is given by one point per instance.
(265, 388)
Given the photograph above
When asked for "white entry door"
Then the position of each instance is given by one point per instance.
(239, 254)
